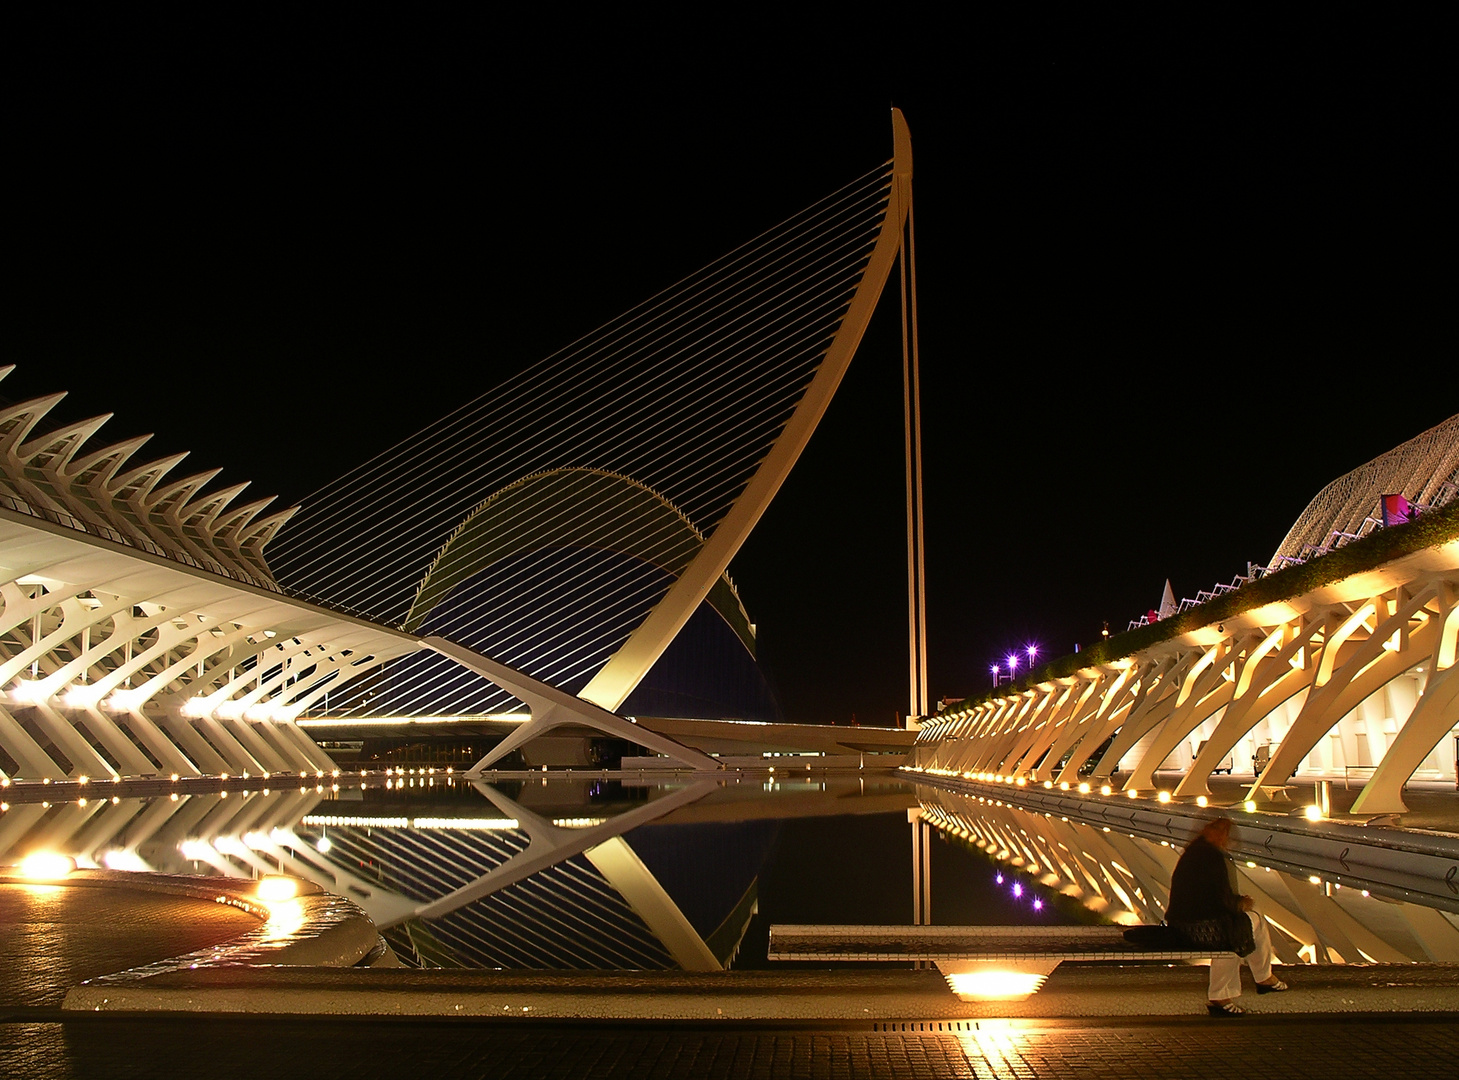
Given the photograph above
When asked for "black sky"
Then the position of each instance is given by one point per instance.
(1174, 275)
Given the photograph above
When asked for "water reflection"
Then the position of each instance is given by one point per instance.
(522, 874)
(669, 873)
(1125, 877)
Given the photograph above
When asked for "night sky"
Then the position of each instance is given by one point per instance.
(1174, 276)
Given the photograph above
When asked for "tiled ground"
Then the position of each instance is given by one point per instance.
(362, 1050)
(51, 938)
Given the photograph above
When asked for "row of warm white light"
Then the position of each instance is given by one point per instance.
(43, 866)
(125, 699)
(83, 801)
(1312, 812)
(951, 823)
(379, 721)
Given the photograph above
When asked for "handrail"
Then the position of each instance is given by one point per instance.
(1335, 539)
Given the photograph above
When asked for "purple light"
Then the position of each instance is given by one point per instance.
(1012, 661)
(1000, 879)
(1033, 650)
(1038, 905)
(1017, 889)
(995, 669)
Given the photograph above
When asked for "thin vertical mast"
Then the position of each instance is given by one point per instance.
(912, 423)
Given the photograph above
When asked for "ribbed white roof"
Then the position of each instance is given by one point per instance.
(1425, 469)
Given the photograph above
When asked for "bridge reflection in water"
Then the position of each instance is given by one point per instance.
(665, 873)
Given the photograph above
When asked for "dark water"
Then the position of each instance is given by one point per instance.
(619, 873)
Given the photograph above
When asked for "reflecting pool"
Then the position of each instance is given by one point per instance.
(662, 872)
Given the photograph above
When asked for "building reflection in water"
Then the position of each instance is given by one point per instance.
(1126, 879)
(522, 874)
(661, 875)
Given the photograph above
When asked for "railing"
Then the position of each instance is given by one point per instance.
(104, 532)
(1335, 539)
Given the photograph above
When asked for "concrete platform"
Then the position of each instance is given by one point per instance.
(108, 1048)
(236, 1020)
(1073, 991)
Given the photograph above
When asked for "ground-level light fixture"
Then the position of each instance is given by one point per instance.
(276, 887)
(973, 980)
(46, 866)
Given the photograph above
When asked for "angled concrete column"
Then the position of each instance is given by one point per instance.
(245, 731)
(167, 753)
(130, 761)
(1275, 683)
(32, 761)
(1364, 668)
(235, 753)
(194, 745)
(1435, 715)
(85, 761)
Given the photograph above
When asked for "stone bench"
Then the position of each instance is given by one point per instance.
(982, 963)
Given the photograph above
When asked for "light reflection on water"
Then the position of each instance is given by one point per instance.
(685, 873)
(1125, 878)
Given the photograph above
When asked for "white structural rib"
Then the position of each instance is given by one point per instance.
(552, 708)
(618, 677)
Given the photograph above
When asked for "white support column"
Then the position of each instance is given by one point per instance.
(307, 747)
(168, 753)
(194, 745)
(32, 761)
(287, 747)
(85, 761)
(1360, 670)
(245, 731)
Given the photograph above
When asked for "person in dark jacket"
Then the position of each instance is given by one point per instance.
(1206, 909)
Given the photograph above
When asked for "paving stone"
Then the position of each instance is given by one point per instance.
(52, 938)
(362, 1050)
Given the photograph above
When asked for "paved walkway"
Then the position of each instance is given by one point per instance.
(1089, 1021)
(110, 1049)
(1432, 807)
(53, 937)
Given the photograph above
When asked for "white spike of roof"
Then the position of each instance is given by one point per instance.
(103, 490)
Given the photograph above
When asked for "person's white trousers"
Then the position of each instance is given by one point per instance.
(1226, 970)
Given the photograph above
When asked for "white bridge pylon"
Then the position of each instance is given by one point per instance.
(142, 632)
(1354, 681)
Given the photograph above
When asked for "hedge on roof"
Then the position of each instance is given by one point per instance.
(1378, 547)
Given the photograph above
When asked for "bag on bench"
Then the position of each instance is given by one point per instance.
(1162, 937)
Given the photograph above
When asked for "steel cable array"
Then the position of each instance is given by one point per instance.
(683, 395)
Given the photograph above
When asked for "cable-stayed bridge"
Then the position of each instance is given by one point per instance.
(546, 544)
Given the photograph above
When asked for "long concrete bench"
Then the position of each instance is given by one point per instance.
(981, 943)
(980, 963)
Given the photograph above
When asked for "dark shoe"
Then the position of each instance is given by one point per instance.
(1272, 988)
(1229, 1008)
